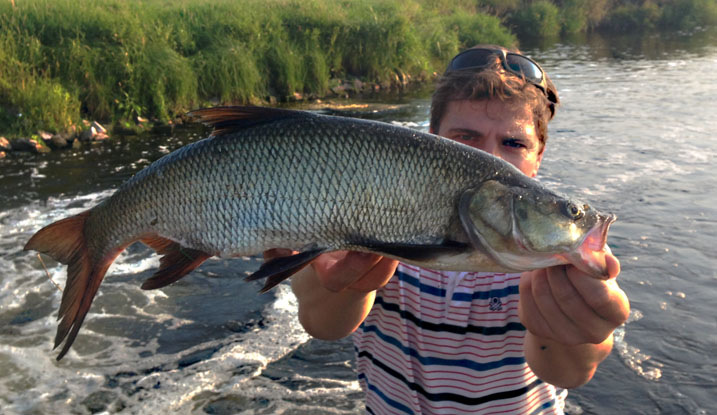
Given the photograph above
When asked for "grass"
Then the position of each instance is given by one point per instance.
(114, 60)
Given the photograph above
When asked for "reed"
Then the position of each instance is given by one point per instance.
(112, 60)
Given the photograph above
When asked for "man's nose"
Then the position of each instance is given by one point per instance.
(491, 147)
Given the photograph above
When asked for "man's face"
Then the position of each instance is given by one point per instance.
(497, 128)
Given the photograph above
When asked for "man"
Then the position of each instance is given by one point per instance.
(469, 342)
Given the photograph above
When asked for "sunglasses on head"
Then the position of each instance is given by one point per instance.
(520, 65)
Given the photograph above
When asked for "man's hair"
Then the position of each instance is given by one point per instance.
(492, 82)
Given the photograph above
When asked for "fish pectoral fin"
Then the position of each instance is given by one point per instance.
(278, 269)
(176, 262)
(420, 252)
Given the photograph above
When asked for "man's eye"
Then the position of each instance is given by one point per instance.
(514, 144)
(465, 137)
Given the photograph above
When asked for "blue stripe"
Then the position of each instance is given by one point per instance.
(398, 405)
(544, 406)
(430, 361)
(425, 288)
(466, 297)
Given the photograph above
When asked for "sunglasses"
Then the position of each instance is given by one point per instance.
(522, 66)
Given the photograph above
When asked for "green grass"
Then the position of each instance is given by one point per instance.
(112, 60)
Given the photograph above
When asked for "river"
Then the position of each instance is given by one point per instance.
(634, 135)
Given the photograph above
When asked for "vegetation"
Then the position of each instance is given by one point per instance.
(115, 60)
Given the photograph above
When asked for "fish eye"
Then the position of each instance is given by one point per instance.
(574, 211)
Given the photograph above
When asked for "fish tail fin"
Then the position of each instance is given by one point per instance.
(65, 241)
(176, 262)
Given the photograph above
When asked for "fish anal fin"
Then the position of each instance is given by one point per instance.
(229, 119)
(278, 269)
(176, 262)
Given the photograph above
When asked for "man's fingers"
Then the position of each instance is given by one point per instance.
(528, 311)
(376, 277)
(338, 272)
(588, 324)
(605, 298)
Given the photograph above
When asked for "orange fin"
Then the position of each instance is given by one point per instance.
(176, 262)
(65, 241)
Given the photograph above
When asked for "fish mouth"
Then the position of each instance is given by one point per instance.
(590, 255)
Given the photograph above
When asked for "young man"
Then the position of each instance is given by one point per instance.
(470, 342)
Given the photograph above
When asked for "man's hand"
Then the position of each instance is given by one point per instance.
(570, 318)
(338, 270)
(336, 292)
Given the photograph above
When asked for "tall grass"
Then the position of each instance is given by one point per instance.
(63, 60)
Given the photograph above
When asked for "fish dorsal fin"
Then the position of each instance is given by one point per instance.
(226, 120)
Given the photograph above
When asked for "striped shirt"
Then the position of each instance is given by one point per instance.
(449, 343)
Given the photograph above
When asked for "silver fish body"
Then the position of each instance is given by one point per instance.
(271, 178)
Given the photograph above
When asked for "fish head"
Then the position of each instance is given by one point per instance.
(529, 227)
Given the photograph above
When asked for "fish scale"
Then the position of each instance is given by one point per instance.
(270, 178)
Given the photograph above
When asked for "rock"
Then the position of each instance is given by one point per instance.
(86, 135)
(98, 127)
(76, 144)
(44, 135)
(358, 85)
(100, 136)
(140, 120)
(59, 140)
(338, 90)
(23, 144)
(28, 144)
(5, 144)
(3, 154)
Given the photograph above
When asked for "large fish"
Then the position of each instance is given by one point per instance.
(273, 178)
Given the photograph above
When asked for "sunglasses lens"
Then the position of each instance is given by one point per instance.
(473, 58)
(520, 64)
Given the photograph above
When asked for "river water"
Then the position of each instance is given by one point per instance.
(635, 135)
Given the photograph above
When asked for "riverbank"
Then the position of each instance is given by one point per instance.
(138, 65)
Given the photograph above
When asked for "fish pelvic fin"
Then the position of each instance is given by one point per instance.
(226, 120)
(281, 268)
(65, 242)
(176, 262)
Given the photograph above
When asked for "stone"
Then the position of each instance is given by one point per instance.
(58, 141)
(76, 144)
(86, 135)
(3, 154)
(30, 145)
(5, 144)
(358, 85)
(98, 127)
(44, 135)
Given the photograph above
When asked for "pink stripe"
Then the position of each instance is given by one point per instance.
(394, 324)
(439, 315)
(438, 350)
(395, 359)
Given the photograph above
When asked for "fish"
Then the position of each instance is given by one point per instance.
(276, 178)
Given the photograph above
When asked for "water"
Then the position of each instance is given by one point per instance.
(634, 135)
